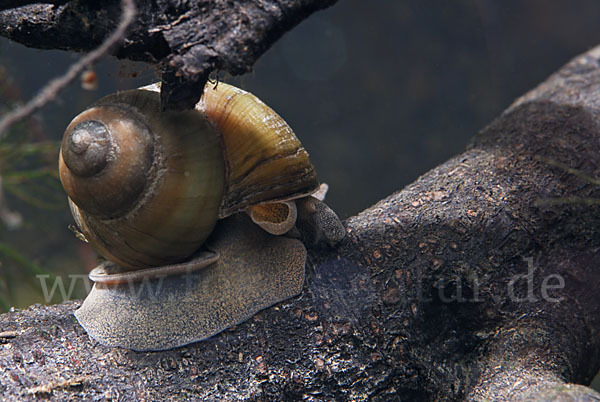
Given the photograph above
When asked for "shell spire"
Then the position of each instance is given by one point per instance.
(144, 186)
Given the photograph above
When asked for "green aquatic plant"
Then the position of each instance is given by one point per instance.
(28, 175)
(29, 182)
(29, 188)
(32, 270)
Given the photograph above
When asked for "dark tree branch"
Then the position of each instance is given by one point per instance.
(189, 39)
(467, 284)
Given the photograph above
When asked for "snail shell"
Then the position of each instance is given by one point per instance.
(146, 187)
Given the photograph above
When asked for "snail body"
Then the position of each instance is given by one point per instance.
(254, 271)
(146, 187)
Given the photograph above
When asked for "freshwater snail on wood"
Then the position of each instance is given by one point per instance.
(147, 188)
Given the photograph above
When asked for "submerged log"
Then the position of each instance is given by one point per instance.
(478, 281)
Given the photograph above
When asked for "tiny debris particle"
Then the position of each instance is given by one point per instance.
(413, 307)
(318, 339)
(391, 296)
(319, 363)
(17, 357)
(38, 356)
(375, 328)
(471, 213)
(376, 254)
(436, 263)
(312, 316)
(439, 195)
(168, 363)
(6, 336)
(398, 273)
(408, 278)
(89, 80)
(261, 366)
(396, 343)
(341, 329)
(63, 384)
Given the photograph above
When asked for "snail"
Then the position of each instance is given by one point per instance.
(188, 208)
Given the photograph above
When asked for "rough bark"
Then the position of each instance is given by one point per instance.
(189, 39)
(437, 292)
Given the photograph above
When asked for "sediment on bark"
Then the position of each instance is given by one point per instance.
(478, 281)
(448, 289)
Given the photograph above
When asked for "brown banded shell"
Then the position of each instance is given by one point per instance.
(265, 160)
(146, 187)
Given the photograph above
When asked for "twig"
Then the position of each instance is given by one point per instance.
(566, 200)
(8, 335)
(59, 384)
(570, 170)
(51, 90)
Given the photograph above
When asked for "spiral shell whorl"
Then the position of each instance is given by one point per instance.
(87, 148)
(105, 159)
(172, 208)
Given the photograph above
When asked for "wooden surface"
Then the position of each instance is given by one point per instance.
(437, 291)
(422, 300)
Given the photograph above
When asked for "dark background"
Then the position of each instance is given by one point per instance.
(379, 92)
